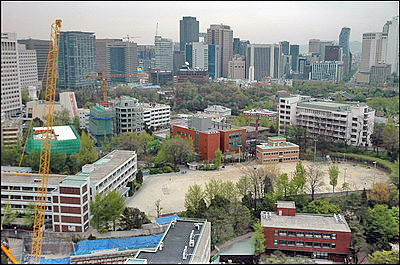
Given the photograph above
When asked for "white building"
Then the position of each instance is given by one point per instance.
(263, 60)
(83, 118)
(392, 52)
(164, 54)
(27, 66)
(350, 122)
(373, 50)
(197, 55)
(327, 71)
(11, 101)
(217, 109)
(156, 115)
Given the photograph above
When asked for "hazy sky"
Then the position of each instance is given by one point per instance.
(259, 22)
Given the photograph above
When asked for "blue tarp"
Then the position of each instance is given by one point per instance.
(66, 260)
(166, 219)
(89, 246)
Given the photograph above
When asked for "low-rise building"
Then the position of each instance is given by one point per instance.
(277, 150)
(183, 75)
(11, 131)
(327, 71)
(320, 236)
(156, 116)
(379, 73)
(128, 115)
(83, 118)
(271, 115)
(217, 109)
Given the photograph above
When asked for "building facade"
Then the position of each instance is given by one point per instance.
(294, 52)
(128, 115)
(101, 121)
(77, 58)
(373, 50)
(197, 55)
(11, 131)
(122, 59)
(237, 67)
(379, 73)
(217, 109)
(101, 50)
(333, 53)
(344, 40)
(318, 236)
(262, 61)
(275, 150)
(262, 113)
(214, 61)
(392, 54)
(327, 71)
(188, 31)
(164, 54)
(352, 123)
(83, 118)
(314, 46)
(11, 101)
(222, 35)
(27, 66)
(156, 116)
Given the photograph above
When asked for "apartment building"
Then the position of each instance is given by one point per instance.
(327, 71)
(262, 113)
(320, 236)
(275, 150)
(27, 66)
(128, 115)
(11, 131)
(349, 122)
(156, 116)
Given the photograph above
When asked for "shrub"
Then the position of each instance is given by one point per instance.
(167, 169)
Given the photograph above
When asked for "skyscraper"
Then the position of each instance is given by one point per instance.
(314, 46)
(332, 53)
(189, 31)
(197, 55)
(284, 47)
(214, 63)
(262, 60)
(164, 54)
(344, 40)
(101, 50)
(27, 66)
(77, 58)
(322, 45)
(121, 58)
(373, 50)
(294, 51)
(10, 84)
(392, 53)
(222, 35)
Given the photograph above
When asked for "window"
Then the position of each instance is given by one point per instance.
(300, 234)
(282, 233)
(333, 236)
(309, 244)
(333, 245)
(317, 235)
(275, 242)
(317, 245)
(291, 233)
(299, 244)
(326, 236)
(309, 234)
(326, 245)
(290, 243)
(282, 242)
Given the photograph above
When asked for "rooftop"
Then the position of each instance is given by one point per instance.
(286, 204)
(242, 247)
(305, 221)
(268, 146)
(328, 105)
(217, 108)
(174, 241)
(28, 178)
(73, 181)
(61, 133)
(260, 111)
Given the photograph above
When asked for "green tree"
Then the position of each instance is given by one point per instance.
(282, 184)
(258, 238)
(358, 239)
(87, 153)
(218, 158)
(193, 198)
(115, 205)
(61, 118)
(132, 218)
(10, 155)
(298, 181)
(177, 150)
(139, 176)
(333, 176)
(243, 186)
(391, 138)
(9, 215)
(153, 147)
(29, 214)
(321, 207)
(384, 257)
(76, 124)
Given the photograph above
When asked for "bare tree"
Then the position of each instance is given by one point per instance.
(314, 179)
(158, 207)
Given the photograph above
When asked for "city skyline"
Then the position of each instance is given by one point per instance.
(296, 22)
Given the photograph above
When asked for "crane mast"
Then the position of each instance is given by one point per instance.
(45, 152)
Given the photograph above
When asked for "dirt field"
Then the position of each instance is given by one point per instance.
(171, 188)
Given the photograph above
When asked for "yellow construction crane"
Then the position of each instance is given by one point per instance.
(103, 78)
(45, 152)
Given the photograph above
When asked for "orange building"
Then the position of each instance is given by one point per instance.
(277, 150)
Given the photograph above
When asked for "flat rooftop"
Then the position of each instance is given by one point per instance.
(175, 240)
(61, 133)
(305, 221)
(325, 105)
(107, 164)
(260, 111)
(286, 204)
(268, 146)
(29, 178)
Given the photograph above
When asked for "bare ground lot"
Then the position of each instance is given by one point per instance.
(171, 188)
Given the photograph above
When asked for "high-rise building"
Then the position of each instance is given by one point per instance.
(262, 60)
(197, 55)
(392, 53)
(344, 40)
(101, 50)
(121, 58)
(284, 47)
(222, 35)
(314, 46)
(164, 54)
(77, 58)
(379, 73)
(327, 71)
(322, 45)
(10, 81)
(42, 49)
(285, 65)
(189, 31)
(373, 50)
(179, 60)
(27, 66)
(237, 67)
(202, 36)
(332, 53)
(294, 52)
(214, 61)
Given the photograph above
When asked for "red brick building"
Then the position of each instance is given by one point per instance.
(208, 136)
(277, 150)
(319, 236)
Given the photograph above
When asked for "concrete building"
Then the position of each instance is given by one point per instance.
(373, 50)
(217, 109)
(275, 150)
(156, 116)
(76, 59)
(239, 46)
(262, 61)
(11, 131)
(294, 52)
(262, 113)
(284, 47)
(101, 50)
(179, 60)
(186, 241)
(83, 118)
(188, 31)
(214, 61)
(128, 115)
(314, 46)
(42, 50)
(332, 53)
(322, 45)
(344, 40)
(320, 236)
(197, 55)
(159, 77)
(164, 54)
(27, 66)
(184, 74)
(379, 73)
(222, 35)
(327, 71)
(392, 53)
(122, 59)
(101, 121)
(11, 101)
(349, 122)
(237, 69)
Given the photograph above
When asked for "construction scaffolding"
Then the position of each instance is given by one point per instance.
(101, 120)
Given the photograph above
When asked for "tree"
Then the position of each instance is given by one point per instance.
(105, 208)
(87, 153)
(321, 207)
(314, 179)
(193, 198)
(10, 155)
(61, 118)
(218, 157)
(282, 184)
(391, 138)
(9, 215)
(298, 181)
(158, 207)
(139, 176)
(380, 192)
(333, 176)
(258, 238)
(29, 214)
(384, 257)
(243, 186)
(132, 218)
(279, 258)
(114, 206)
(177, 150)
(76, 124)
(153, 147)
(213, 188)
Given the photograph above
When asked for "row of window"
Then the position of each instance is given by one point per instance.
(302, 244)
(306, 234)
(280, 153)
